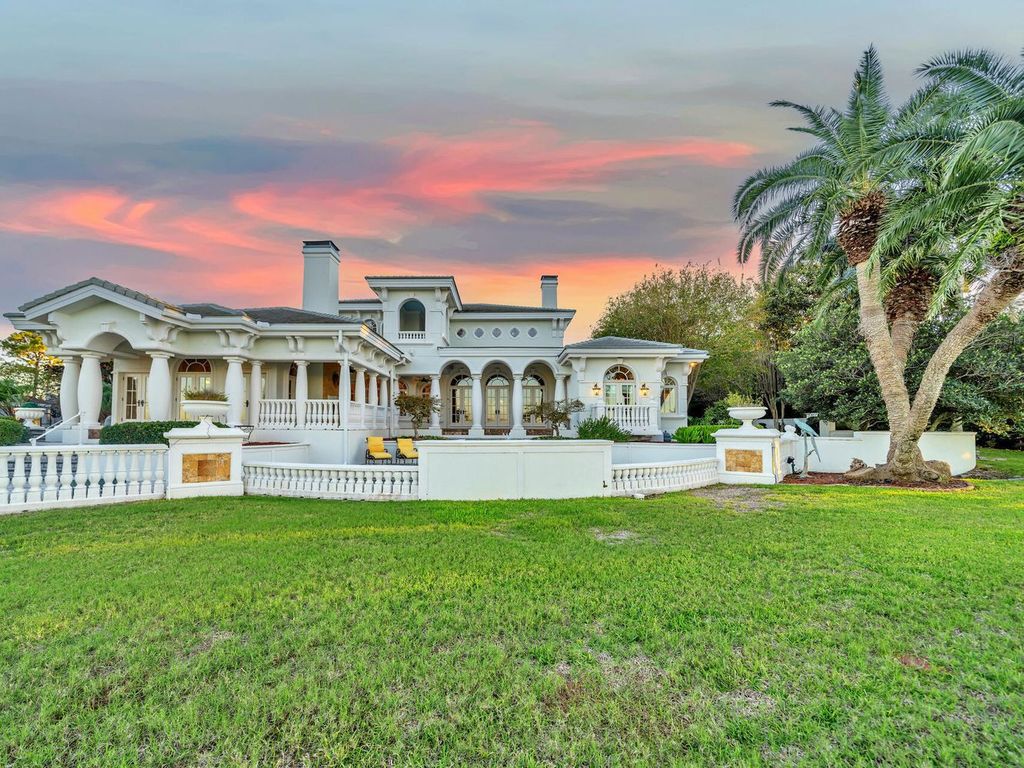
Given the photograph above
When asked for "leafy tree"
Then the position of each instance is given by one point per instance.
(555, 414)
(695, 307)
(11, 396)
(419, 409)
(828, 370)
(30, 365)
(914, 201)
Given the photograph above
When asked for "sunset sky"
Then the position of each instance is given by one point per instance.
(187, 148)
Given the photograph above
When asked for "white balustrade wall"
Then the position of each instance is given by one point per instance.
(323, 414)
(331, 481)
(663, 476)
(79, 475)
(277, 414)
(628, 417)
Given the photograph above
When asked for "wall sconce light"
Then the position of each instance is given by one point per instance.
(596, 390)
(644, 390)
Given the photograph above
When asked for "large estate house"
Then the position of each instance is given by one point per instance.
(328, 373)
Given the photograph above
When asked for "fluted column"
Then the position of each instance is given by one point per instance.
(517, 407)
(435, 391)
(477, 430)
(344, 390)
(234, 388)
(69, 387)
(255, 391)
(90, 390)
(361, 394)
(301, 392)
(158, 388)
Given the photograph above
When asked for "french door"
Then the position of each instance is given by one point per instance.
(132, 397)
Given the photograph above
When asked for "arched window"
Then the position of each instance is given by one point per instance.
(462, 400)
(193, 374)
(497, 406)
(371, 324)
(194, 365)
(533, 395)
(619, 386)
(669, 396)
(412, 316)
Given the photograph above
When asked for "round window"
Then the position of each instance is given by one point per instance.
(532, 332)
(461, 333)
(514, 332)
(496, 332)
(479, 332)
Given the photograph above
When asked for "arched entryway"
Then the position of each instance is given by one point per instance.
(497, 386)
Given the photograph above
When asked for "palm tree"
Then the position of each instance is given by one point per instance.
(874, 196)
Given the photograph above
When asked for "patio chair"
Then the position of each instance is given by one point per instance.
(406, 450)
(375, 451)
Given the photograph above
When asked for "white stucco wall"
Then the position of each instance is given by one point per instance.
(955, 448)
(641, 453)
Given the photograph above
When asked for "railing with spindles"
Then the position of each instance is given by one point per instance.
(277, 414)
(662, 476)
(331, 481)
(79, 475)
(323, 414)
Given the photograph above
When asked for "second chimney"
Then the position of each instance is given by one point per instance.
(549, 291)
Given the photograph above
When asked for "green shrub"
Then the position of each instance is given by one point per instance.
(12, 431)
(210, 395)
(141, 432)
(603, 428)
(699, 433)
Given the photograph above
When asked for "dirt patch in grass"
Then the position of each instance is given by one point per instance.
(838, 478)
(738, 498)
(207, 643)
(614, 537)
(748, 702)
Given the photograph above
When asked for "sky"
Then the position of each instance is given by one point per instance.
(186, 149)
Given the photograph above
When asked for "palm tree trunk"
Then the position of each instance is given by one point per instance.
(1005, 286)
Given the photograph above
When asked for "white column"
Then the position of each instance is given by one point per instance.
(477, 430)
(361, 394)
(90, 390)
(255, 391)
(374, 388)
(158, 388)
(301, 392)
(435, 391)
(234, 388)
(344, 389)
(517, 407)
(69, 388)
(560, 387)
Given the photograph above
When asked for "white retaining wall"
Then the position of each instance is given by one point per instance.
(664, 476)
(294, 452)
(80, 475)
(955, 448)
(638, 453)
(332, 481)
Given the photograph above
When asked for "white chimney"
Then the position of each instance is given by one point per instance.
(549, 291)
(320, 260)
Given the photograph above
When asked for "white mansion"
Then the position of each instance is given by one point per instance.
(327, 373)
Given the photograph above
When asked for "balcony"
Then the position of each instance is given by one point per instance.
(635, 419)
(320, 415)
(412, 335)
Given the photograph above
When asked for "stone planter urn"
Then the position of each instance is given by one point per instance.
(747, 414)
(205, 410)
(30, 415)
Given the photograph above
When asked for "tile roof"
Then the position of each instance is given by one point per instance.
(510, 308)
(99, 282)
(621, 342)
(274, 315)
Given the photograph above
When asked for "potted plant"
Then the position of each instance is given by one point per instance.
(746, 413)
(204, 404)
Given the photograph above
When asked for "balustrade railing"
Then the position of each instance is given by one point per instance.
(78, 475)
(277, 414)
(323, 414)
(412, 335)
(331, 481)
(661, 476)
(629, 417)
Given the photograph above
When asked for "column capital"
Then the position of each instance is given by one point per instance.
(159, 353)
(69, 359)
(233, 359)
(517, 376)
(92, 355)
(476, 376)
(296, 363)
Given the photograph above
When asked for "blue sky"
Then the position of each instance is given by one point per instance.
(187, 148)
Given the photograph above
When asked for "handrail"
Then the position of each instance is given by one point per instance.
(61, 423)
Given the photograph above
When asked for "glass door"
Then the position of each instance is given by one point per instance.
(497, 411)
(133, 397)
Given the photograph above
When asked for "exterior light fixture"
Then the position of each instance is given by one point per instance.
(596, 390)
(644, 390)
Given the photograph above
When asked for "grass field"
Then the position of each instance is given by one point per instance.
(1000, 461)
(812, 625)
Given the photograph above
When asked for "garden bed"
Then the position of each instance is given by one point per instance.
(839, 478)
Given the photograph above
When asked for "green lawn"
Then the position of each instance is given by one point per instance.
(1004, 462)
(805, 625)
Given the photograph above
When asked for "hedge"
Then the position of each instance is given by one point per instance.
(699, 433)
(141, 432)
(603, 428)
(12, 431)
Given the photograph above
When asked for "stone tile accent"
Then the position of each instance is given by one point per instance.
(741, 460)
(205, 467)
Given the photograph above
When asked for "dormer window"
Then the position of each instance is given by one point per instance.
(412, 316)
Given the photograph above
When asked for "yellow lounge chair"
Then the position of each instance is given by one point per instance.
(375, 451)
(406, 449)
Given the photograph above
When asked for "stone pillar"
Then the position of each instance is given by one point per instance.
(435, 391)
(204, 460)
(90, 390)
(477, 430)
(69, 388)
(234, 388)
(255, 391)
(749, 455)
(301, 392)
(158, 388)
(517, 407)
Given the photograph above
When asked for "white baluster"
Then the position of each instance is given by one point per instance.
(50, 481)
(18, 481)
(5, 492)
(35, 477)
